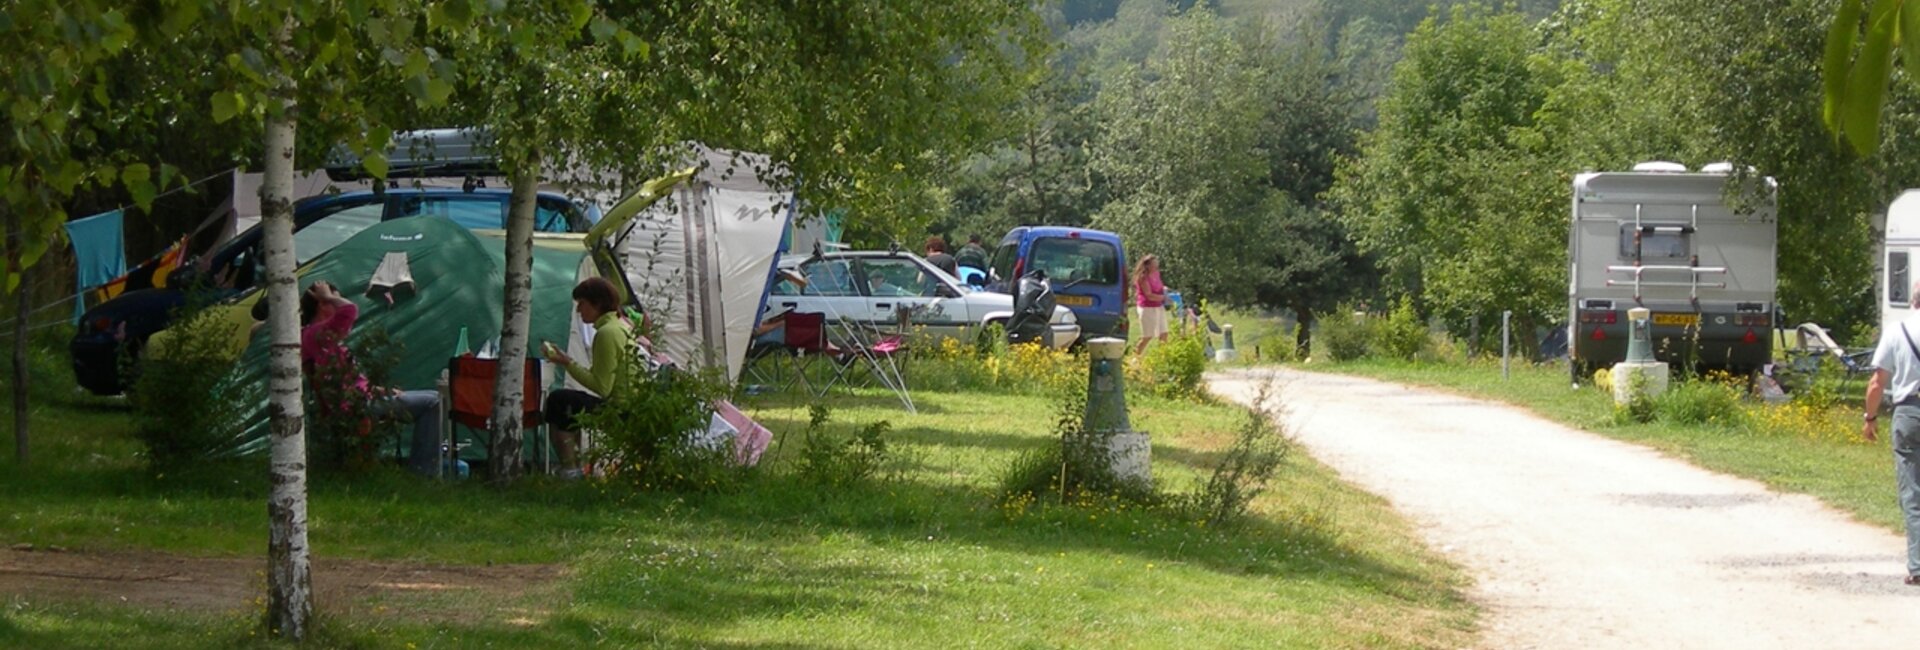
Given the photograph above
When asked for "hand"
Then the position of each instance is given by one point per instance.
(1867, 431)
(556, 356)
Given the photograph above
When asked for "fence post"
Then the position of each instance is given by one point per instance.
(1505, 345)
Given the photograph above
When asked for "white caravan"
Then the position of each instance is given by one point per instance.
(1666, 239)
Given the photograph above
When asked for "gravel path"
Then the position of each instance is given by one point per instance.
(1580, 541)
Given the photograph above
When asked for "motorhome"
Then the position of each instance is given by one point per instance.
(1697, 253)
(1896, 257)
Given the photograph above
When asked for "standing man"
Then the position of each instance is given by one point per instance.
(1896, 363)
(937, 255)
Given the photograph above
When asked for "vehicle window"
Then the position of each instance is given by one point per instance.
(331, 230)
(1655, 241)
(785, 287)
(897, 278)
(549, 217)
(471, 212)
(828, 278)
(1065, 260)
(1003, 257)
(1899, 284)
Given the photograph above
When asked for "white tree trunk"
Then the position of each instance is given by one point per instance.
(509, 385)
(289, 583)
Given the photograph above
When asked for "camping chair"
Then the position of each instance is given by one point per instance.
(469, 400)
(882, 354)
(807, 342)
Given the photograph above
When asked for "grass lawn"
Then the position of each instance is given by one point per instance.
(924, 558)
(1819, 456)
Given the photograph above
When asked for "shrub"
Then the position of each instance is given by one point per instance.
(835, 461)
(1276, 346)
(1342, 336)
(652, 432)
(1702, 401)
(1246, 469)
(1640, 408)
(1400, 335)
(189, 398)
(1171, 368)
(948, 364)
(344, 433)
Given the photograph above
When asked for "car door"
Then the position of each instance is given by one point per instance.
(910, 287)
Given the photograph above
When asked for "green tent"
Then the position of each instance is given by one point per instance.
(457, 281)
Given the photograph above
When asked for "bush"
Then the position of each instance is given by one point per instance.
(1172, 368)
(1342, 336)
(1400, 335)
(837, 462)
(344, 434)
(991, 364)
(1701, 401)
(651, 432)
(1245, 471)
(189, 398)
(1276, 346)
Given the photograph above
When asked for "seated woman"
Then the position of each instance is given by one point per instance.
(597, 302)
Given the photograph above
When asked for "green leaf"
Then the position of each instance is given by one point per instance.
(1867, 86)
(138, 178)
(438, 90)
(1910, 35)
(375, 162)
(225, 106)
(1840, 37)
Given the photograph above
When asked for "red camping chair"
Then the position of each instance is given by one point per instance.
(806, 341)
(469, 399)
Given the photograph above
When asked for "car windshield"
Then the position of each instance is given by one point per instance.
(1087, 261)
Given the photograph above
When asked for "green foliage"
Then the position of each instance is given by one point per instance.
(1343, 336)
(344, 432)
(1640, 408)
(1701, 401)
(1401, 334)
(1174, 367)
(841, 461)
(1245, 471)
(189, 400)
(651, 433)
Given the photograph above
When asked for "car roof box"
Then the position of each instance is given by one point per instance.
(425, 153)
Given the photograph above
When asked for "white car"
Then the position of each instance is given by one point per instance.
(875, 287)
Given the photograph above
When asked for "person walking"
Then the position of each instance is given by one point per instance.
(1150, 301)
(1896, 378)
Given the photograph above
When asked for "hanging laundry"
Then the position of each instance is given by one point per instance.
(99, 253)
(148, 275)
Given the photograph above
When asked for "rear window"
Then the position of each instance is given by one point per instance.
(1655, 242)
(1089, 261)
(1897, 278)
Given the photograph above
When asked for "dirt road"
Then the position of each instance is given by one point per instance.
(1580, 541)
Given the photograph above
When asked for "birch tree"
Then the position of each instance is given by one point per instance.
(317, 62)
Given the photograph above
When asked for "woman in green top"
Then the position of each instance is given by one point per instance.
(598, 303)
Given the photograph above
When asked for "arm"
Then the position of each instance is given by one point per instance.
(1876, 390)
(608, 346)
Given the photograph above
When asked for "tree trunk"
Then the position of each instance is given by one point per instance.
(509, 385)
(1302, 333)
(22, 305)
(289, 582)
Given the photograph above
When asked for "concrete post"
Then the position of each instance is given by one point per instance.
(1106, 416)
(1226, 352)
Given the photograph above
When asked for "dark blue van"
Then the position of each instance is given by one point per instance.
(1088, 269)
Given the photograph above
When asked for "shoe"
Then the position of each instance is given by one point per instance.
(1913, 581)
(571, 474)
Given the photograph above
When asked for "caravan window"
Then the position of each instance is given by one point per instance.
(1899, 283)
(1655, 242)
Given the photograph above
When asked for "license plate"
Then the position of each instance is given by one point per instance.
(1685, 320)
(1074, 301)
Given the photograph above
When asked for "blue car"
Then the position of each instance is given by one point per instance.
(119, 327)
(1088, 269)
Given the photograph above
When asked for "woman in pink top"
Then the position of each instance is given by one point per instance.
(326, 317)
(1150, 301)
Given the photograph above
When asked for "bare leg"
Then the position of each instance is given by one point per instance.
(566, 445)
